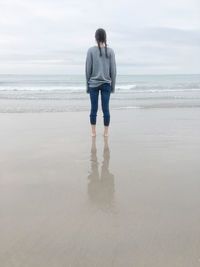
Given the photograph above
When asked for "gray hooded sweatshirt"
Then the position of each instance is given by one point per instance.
(99, 69)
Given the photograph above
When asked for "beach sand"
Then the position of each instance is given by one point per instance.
(70, 200)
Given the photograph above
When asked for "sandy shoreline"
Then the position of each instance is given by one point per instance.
(68, 200)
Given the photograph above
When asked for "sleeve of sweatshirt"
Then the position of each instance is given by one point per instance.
(88, 69)
(113, 71)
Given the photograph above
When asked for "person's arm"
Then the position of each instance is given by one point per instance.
(88, 69)
(113, 71)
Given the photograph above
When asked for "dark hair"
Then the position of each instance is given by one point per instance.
(100, 36)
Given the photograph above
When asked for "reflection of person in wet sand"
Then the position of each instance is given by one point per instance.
(101, 187)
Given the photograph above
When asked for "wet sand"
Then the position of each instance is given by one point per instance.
(70, 200)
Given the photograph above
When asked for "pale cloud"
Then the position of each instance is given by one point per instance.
(53, 36)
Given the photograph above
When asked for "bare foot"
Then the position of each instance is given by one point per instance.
(106, 131)
(93, 130)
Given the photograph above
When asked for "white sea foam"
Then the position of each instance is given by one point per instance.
(128, 107)
(126, 86)
(83, 88)
(45, 93)
(41, 88)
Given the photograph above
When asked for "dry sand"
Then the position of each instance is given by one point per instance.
(70, 200)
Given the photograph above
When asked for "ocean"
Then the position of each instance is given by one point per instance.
(59, 93)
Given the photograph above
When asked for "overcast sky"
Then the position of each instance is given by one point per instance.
(52, 37)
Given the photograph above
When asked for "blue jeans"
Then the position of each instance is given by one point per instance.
(105, 97)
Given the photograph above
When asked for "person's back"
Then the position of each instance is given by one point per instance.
(100, 69)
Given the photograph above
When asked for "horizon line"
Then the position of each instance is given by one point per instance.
(84, 74)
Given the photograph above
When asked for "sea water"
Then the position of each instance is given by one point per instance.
(57, 93)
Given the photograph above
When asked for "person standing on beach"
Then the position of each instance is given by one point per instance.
(100, 71)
